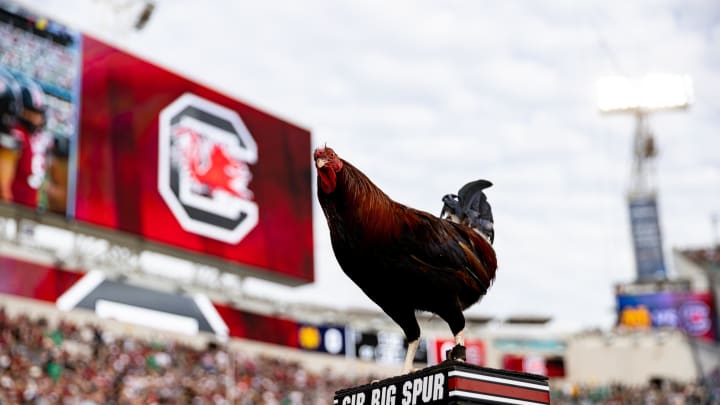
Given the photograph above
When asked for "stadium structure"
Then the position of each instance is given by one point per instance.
(132, 287)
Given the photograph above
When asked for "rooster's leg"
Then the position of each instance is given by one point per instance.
(405, 317)
(410, 356)
(460, 338)
(454, 317)
(458, 352)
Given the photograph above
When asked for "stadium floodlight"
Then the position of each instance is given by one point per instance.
(648, 93)
(642, 96)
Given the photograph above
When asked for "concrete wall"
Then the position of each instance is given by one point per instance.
(631, 358)
(687, 269)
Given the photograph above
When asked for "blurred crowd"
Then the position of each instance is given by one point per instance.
(656, 392)
(73, 364)
(40, 58)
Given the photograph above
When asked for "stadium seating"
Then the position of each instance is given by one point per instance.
(43, 60)
(43, 361)
(50, 64)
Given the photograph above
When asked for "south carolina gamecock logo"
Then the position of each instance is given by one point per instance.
(205, 153)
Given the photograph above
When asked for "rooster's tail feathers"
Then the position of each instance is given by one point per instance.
(479, 269)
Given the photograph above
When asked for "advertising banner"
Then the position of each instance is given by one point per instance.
(185, 314)
(322, 338)
(385, 347)
(549, 366)
(690, 312)
(474, 351)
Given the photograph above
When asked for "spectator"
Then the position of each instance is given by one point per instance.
(22, 156)
(50, 62)
(9, 110)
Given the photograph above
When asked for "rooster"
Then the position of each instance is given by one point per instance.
(403, 259)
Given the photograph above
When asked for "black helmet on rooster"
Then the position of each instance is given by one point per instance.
(470, 207)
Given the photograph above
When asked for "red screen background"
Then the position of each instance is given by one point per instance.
(121, 99)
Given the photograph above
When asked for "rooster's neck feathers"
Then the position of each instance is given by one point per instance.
(361, 205)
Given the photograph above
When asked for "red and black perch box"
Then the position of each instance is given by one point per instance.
(451, 382)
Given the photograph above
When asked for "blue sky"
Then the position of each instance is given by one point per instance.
(424, 96)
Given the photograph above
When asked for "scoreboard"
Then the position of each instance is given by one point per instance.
(149, 156)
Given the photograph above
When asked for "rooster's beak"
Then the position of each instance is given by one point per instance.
(320, 163)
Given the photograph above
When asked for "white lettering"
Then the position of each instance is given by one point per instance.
(427, 389)
(407, 396)
(354, 399)
(417, 390)
(383, 396)
(439, 390)
(390, 399)
(420, 390)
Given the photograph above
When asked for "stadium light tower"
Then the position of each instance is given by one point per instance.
(641, 97)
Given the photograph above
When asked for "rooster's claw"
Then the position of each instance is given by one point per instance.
(456, 353)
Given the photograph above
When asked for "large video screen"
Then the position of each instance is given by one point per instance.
(129, 147)
(177, 163)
